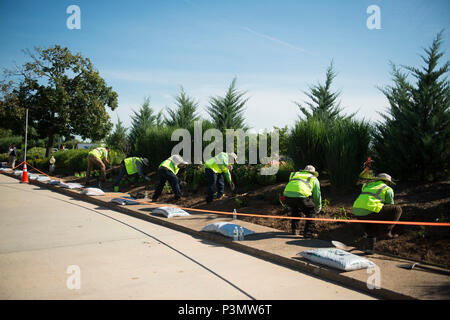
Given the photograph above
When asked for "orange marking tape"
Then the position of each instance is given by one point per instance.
(434, 224)
(410, 223)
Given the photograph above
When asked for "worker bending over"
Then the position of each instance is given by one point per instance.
(167, 171)
(302, 195)
(215, 169)
(376, 202)
(98, 157)
(131, 166)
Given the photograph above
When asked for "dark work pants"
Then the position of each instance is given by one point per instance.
(305, 206)
(387, 213)
(214, 180)
(167, 175)
(122, 173)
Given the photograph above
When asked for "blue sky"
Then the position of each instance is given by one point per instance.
(276, 49)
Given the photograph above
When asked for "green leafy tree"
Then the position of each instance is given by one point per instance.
(142, 120)
(184, 114)
(118, 139)
(324, 103)
(412, 142)
(227, 112)
(64, 93)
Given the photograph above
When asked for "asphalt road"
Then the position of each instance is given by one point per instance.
(55, 247)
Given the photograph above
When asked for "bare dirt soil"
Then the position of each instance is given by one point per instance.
(420, 201)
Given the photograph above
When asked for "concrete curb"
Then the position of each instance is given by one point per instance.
(299, 265)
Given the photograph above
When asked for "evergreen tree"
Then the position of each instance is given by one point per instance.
(227, 112)
(118, 139)
(324, 104)
(184, 114)
(142, 120)
(412, 142)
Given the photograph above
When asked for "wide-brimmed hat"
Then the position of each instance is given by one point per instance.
(385, 177)
(311, 169)
(178, 160)
(233, 156)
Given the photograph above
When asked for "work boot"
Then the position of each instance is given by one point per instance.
(368, 244)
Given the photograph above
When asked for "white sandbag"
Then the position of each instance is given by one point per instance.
(32, 176)
(70, 185)
(4, 169)
(93, 192)
(54, 182)
(17, 172)
(226, 229)
(43, 179)
(170, 212)
(337, 258)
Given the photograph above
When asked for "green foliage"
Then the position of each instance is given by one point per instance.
(118, 139)
(5, 142)
(346, 148)
(338, 146)
(184, 114)
(412, 142)
(194, 175)
(227, 112)
(324, 104)
(141, 121)
(64, 93)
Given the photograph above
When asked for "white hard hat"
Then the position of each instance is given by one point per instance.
(233, 156)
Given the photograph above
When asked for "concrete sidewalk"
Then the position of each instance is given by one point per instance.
(282, 248)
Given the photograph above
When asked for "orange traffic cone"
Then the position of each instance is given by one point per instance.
(24, 174)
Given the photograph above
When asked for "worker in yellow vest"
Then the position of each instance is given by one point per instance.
(216, 169)
(376, 202)
(167, 171)
(302, 195)
(98, 157)
(132, 166)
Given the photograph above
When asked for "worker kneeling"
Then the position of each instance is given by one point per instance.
(376, 202)
(131, 166)
(215, 169)
(302, 194)
(167, 171)
(98, 157)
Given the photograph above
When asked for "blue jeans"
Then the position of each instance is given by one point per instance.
(167, 175)
(214, 179)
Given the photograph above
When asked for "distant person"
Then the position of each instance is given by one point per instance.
(216, 169)
(63, 147)
(376, 202)
(12, 155)
(98, 157)
(167, 171)
(132, 166)
(302, 195)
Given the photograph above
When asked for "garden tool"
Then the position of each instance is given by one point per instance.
(411, 266)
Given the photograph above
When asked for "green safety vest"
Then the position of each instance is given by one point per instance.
(372, 197)
(218, 164)
(170, 164)
(131, 164)
(300, 184)
(100, 153)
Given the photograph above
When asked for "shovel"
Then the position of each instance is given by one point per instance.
(411, 266)
(342, 246)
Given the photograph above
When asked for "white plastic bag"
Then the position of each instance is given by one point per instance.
(54, 182)
(170, 212)
(226, 229)
(43, 179)
(125, 201)
(70, 185)
(93, 192)
(337, 258)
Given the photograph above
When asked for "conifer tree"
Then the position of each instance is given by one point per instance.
(413, 140)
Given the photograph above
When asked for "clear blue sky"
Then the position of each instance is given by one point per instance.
(276, 49)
